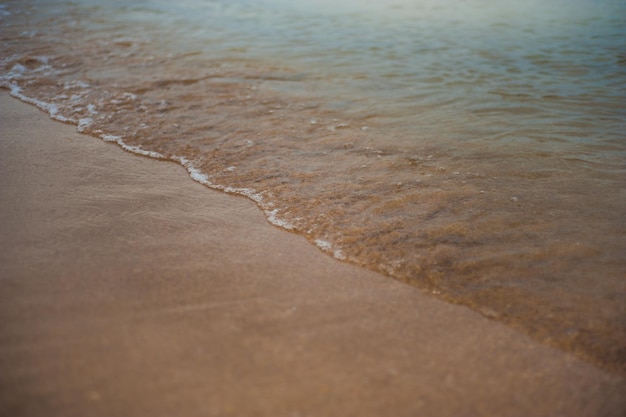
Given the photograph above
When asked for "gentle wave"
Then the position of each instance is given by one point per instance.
(488, 170)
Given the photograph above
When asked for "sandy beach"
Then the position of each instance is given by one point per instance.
(127, 289)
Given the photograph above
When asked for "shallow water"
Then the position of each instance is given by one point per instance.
(475, 149)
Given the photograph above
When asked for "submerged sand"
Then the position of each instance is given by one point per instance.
(128, 289)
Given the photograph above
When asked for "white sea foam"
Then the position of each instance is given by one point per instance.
(323, 245)
(133, 149)
(75, 84)
(246, 192)
(83, 124)
(92, 109)
(194, 173)
(328, 248)
(16, 71)
(43, 68)
(50, 108)
(272, 217)
(257, 197)
(18, 68)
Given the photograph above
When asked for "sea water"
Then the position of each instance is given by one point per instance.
(473, 148)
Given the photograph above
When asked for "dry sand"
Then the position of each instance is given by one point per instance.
(127, 289)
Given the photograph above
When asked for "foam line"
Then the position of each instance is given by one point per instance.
(270, 212)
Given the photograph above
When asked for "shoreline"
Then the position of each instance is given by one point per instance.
(129, 289)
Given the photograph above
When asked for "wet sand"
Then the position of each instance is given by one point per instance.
(128, 289)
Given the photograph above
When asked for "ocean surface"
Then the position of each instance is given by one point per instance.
(473, 148)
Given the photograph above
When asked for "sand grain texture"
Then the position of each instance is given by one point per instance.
(128, 289)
